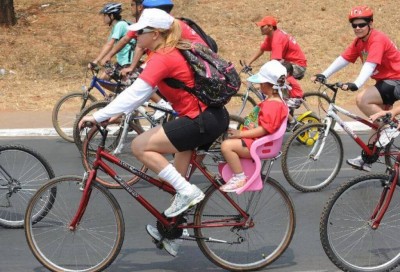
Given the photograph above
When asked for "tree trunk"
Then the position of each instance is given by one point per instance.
(7, 14)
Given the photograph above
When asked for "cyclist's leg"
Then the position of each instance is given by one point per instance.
(346, 229)
(95, 242)
(257, 243)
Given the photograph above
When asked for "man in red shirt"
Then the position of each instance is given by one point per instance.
(381, 61)
(283, 47)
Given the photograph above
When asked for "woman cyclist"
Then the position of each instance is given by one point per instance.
(381, 61)
(160, 32)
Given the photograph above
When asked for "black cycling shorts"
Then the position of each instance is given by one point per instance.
(185, 133)
(389, 90)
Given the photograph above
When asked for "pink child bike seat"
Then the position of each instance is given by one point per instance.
(264, 148)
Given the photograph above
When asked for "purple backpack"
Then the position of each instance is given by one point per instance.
(216, 80)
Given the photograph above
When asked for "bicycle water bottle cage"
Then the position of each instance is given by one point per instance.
(265, 148)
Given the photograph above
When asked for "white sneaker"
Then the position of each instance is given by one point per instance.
(386, 136)
(358, 163)
(183, 201)
(158, 114)
(171, 246)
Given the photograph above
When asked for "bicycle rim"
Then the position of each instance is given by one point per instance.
(22, 172)
(301, 168)
(391, 151)
(95, 243)
(345, 227)
(252, 247)
(65, 112)
(89, 148)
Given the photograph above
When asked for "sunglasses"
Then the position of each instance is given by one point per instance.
(144, 30)
(361, 25)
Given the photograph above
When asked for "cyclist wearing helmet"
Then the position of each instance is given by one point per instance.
(112, 17)
(381, 61)
(283, 47)
(166, 5)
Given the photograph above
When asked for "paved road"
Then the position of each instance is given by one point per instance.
(139, 254)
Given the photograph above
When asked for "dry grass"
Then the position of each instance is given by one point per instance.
(54, 40)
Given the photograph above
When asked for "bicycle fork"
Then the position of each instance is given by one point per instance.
(320, 142)
(87, 190)
(384, 201)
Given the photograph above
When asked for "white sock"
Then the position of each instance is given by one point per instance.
(173, 177)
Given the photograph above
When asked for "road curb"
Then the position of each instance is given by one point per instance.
(49, 132)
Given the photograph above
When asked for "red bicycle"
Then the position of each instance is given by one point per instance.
(84, 228)
(360, 224)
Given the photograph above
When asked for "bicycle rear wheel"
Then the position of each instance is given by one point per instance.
(22, 172)
(345, 227)
(65, 112)
(256, 244)
(96, 241)
(89, 148)
(299, 165)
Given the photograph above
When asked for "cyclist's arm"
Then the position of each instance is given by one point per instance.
(336, 65)
(104, 50)
(116, 48)
(256, 56)
(129, 100)
(365, 73)
(135, 61)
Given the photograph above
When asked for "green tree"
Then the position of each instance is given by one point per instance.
(7, 13)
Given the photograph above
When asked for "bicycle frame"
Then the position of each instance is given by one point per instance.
(332, 115)
(194, 164)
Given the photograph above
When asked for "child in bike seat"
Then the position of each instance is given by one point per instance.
(265, 118)
(295, 96)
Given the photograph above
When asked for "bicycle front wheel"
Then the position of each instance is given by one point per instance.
(119, 146)
(96, 241)
(257, 243)
(313, 163)
(316, 102)
(22, 172)
(346, 229)
(65, 112)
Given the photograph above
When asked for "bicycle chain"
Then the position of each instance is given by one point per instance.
(372, 158)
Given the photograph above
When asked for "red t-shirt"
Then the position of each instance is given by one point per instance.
(296, 91)
(271, 115)
(169, 63)
(379, 49)
(283, 46)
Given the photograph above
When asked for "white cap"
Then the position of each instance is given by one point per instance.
(270, 72)
(155, 18)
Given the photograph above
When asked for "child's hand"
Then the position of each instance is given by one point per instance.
(233, 134)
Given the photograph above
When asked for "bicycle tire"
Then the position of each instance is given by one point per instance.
(89, 148)
(22, 172)
(304, 172)
(244, 108)
(345, 226)
(248, 248)
(78, 134)
(93, 245)
(65, 112)
(316, 102)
